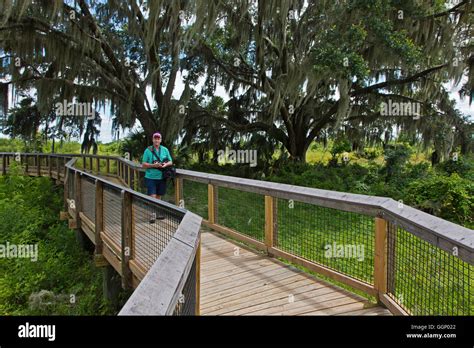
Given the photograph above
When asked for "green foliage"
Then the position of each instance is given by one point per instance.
(449, 197)
(29, 210)
(340, 145)
(396, 157)
(462, 166)
(135, 144)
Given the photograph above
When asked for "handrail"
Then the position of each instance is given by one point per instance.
(164, 276)
(401, 238)
(162, 283)
(439, 232)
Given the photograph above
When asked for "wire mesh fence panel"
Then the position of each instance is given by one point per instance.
(342, 241)
(426, 280)
(169, 196)
(88, 197)
(125, 173)
(140, 182)
(241, 211)
(187, 300)
(112, 207)
(195, 197)
(154, 226)
(43, 160)
(31, 163)
(113, 167)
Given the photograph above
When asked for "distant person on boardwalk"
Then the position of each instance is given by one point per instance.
(155, 159)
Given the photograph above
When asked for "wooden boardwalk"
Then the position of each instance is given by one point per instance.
(238, 281)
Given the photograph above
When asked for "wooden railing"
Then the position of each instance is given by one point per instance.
(411, 262)
(160, 260)
(414, 263)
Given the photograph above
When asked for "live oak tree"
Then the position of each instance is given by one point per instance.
(295, 69)
(106, 53)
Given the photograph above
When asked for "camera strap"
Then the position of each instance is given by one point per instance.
(152, 149)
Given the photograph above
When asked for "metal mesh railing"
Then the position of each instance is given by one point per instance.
(187, 300)
(342, 241)
(195, 197)
(426, 280)
(241, 211)
(88, 197)
(154, 226)
(112, 206)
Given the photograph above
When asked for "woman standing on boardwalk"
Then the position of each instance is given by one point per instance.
(155, 159)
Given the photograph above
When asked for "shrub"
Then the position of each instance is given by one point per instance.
(449, 197)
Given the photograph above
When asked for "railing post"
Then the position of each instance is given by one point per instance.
(57, 168)
(178, 191)
(66, 190)
(136, 180)
(270, 212)
(38, 165)
(4, 164)
(127, 226)
(107, 166)
(49, 166)
(97, 162)
(91, 164)
(198, 279)
(211, 205)
(84, 163)
(129, 181)
(77, 200)
(26, 164)
(64, 165)
(99, 224)
(380, 260)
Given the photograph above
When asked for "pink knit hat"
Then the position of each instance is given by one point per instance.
(157, 134)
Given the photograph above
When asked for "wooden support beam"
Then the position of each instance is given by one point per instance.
(198, 279)
(66, 188)
(99, 216)
(38, 165)
(50, 167)
(100, 260)
(65, 168)
(136, 180)
(127, 230)
(107, 166)
(63, 215)
(97, 163)
(211, 194)
(57, 168)
(72, 224)
(270, 205)
(380, 260)
(77, 199)
(178, 192)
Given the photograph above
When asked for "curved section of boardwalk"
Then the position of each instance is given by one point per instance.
(238, 281)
